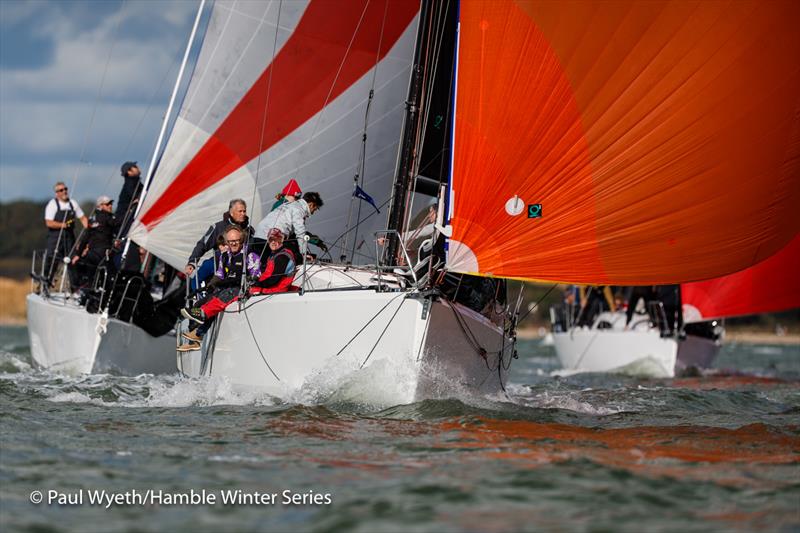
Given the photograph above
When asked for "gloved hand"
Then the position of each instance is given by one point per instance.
(316, 241)
(213, 283)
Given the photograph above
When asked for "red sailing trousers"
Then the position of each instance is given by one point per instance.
(219, 302)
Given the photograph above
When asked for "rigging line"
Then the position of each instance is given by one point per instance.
(368, 323)
(89, 129)
(584, 306)
(255, 341)
(221, 34)
(469, 338)
(150, 103)
(389, 323)
(537, 303)
(501, 356)
(446, 139)
(586, 350)
(432, 78)
(363, 150)
(372, 213)
(336, 78)
(91, 123)
(427, 89)
(99, 95)
(266, 107)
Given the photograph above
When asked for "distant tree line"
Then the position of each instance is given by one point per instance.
(22, 228)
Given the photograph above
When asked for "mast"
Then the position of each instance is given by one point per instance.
(408, 151)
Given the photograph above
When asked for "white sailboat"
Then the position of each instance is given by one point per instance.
(117, 328)
(649, 346)
(562, 157)
(66, 338)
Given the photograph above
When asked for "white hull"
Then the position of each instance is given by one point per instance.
(389, 347)
(640, 352)
(65, 338)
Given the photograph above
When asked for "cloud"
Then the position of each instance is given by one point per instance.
(66, 128)
(35, 180)
(126, 52)
(55, 55)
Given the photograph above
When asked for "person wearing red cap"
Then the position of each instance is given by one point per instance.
(277, 272)
(290, 193)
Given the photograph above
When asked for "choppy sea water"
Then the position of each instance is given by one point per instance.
(719, 452)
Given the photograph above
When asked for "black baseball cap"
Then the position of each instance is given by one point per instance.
(126, 166)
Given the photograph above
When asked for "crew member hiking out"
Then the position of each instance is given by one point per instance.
(236, 216)
(277, 272)
(225, 286)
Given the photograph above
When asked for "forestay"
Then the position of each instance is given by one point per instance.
(280, 90)
(661, 139)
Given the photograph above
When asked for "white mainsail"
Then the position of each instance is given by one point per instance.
(281, 90)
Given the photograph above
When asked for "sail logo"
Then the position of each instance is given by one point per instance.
(534, 210)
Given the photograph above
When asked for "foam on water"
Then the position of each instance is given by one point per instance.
(10, 363)
(380, 384)
(569, 400)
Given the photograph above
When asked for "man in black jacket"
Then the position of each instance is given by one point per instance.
(93, 246)
(237, 216)
(129, 195)
(126, 207)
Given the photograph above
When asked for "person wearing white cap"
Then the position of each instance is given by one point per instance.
(93, 246)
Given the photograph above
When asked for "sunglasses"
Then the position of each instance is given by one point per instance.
(65, 189)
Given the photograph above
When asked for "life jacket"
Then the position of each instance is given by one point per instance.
(232, 267)
(284, 285)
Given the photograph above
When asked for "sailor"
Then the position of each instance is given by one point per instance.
(129, 194)
(93, 246)
(670, 297)
(207, 268)
(126, 209)
(226, 284)
(648, 293)
(59, 217)
(290, 193)
(290, 219)
(237, 216)
(421, 227)
(277, 273)
(597, 300)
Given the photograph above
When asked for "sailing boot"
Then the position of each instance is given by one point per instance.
(189, 347)
(192, 336)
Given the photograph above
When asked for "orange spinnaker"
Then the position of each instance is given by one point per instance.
(661, 138)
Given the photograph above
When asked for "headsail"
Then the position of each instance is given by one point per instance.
(280, 91)
(661, 140)
(771, 285)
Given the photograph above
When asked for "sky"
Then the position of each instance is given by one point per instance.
(83, 88)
